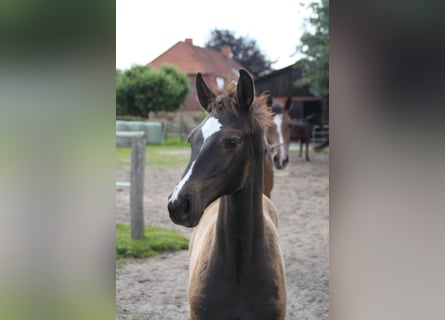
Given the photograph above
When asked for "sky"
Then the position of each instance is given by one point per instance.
(146, 29)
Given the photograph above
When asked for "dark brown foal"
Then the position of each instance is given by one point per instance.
(236, 264)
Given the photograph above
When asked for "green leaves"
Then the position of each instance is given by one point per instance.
(315, 47)
(142, 89)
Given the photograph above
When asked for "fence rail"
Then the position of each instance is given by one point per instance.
(137, 174)
(319, 134)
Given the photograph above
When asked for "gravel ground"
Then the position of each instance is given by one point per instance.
(156, 288)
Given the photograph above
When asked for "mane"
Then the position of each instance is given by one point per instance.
(227, 100)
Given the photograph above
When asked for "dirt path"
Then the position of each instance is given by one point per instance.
(156, 288)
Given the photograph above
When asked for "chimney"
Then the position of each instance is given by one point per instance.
(226, 51)
(189, 41)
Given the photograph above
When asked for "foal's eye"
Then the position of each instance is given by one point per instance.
(232, 143)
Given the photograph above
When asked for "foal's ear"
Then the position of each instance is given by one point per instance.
(205, 95)
(245, 89)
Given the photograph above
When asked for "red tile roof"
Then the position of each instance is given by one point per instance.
(193, 59)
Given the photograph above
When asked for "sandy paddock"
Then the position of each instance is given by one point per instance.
(156, 288)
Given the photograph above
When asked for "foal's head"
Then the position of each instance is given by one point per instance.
(278, 135)
(226, 146)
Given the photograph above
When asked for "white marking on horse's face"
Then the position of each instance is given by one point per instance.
(278, 119)
(174, 195)
(211, 126)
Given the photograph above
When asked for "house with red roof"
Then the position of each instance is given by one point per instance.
(217, 68)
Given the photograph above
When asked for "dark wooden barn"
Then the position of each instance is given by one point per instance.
(280, 83)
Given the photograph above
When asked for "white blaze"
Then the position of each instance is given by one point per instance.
(181, 183)
(278, 119)
(211, 126)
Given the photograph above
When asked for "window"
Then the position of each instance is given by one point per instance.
(220, 82)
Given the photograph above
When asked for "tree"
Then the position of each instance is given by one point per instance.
(142, 89)
(315, 47)
(244, 50)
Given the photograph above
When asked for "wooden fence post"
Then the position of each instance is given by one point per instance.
(137, 174)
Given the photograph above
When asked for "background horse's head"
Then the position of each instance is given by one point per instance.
(225, 147)
(278, 134)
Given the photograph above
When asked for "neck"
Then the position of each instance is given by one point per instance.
(240, 227)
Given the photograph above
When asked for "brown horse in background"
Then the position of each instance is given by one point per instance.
(285, 130)
(236, 264)
(278, 135)
(301, 130)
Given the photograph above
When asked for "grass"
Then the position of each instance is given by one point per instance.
(176, 142)
(173, 152)
(155, 241)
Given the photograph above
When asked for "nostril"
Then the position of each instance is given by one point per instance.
(185, 208)
(180, 209)
(275, 158)
(186, 205)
